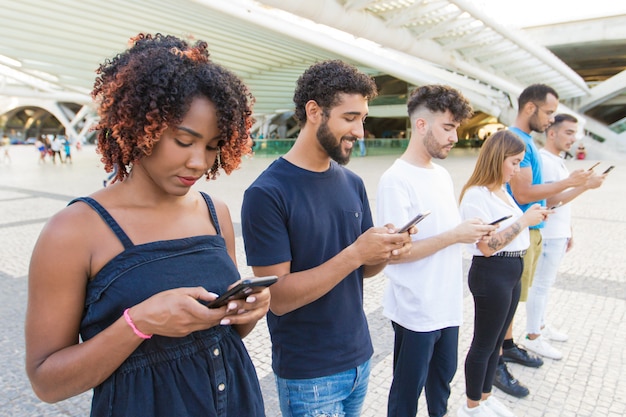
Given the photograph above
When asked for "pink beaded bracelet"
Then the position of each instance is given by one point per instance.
(132, 326)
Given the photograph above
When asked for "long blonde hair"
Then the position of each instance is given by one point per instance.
(495, 149)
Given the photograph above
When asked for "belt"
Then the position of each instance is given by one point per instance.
(515, 254)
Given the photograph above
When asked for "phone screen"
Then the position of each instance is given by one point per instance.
(609, 169)
(242, 290)
(415, 220)
(501, 219)
(557, 205)
(593, 166)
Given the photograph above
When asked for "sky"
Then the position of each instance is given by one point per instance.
(524, 13)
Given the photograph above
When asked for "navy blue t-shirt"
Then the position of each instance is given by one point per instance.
(305, 217)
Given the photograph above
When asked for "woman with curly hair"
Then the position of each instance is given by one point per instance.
(147, 252)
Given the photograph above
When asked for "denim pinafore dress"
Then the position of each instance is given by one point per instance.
(207, 373)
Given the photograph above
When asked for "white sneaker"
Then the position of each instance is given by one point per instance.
(481, 411)
(553, 334)
(541, 347)
(499, 409)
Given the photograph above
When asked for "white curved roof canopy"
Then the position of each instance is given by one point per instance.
(51, 49)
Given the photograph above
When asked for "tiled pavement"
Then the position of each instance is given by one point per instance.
(588, 301)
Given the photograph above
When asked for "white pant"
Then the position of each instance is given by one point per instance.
(545, 275)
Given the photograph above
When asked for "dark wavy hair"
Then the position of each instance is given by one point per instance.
(150, 86)
(324, 81)
(439, 98)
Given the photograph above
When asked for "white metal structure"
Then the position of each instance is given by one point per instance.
(49, 50)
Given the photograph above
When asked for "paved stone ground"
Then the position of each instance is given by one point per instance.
(588, 301)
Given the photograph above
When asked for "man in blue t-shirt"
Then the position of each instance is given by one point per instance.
(307, 219)
(537, 105)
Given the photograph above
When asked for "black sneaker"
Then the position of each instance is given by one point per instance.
(506, 382)
(520, 355)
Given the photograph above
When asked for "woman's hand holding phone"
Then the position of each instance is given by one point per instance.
(501, 219)
(535, 215)
(242, 290)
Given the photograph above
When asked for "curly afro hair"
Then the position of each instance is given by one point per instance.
(440, 98)
(151, 85)
(324, 81)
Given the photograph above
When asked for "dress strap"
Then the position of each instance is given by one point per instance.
(212, 211)
(108, 219)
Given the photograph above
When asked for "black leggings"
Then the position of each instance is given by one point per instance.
(495, 285)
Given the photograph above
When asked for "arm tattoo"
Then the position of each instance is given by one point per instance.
(497, 242)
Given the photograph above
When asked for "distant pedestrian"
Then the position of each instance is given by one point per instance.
(110, 177)
(361, 146)
(6, 144)
(41, 148)
(56, 146)
(67, 147)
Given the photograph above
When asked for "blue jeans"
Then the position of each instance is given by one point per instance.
(545, 275)
(338, 395)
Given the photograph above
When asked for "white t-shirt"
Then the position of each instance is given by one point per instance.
(427, 294)
(558, 225)
(479, 202)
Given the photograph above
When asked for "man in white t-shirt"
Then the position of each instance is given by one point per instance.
(424, 295)
(556, 235)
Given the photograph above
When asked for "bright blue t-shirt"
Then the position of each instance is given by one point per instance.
(531, 159)
(292, 214)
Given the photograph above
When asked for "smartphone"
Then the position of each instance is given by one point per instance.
(242, 290)
(501, 219)
(609, 169)
(593, 166)
(557, 205)
(415, 220)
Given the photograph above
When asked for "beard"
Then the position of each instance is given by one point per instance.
(433, 147)
(533, 123)
(331, 146)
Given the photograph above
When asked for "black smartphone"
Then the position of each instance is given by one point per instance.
(557, 205)
(415, 220)
(242, 290)
(501, 219)
(593, 166)
(609, 169)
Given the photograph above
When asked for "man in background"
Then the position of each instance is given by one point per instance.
(537, 105)
(556, 235)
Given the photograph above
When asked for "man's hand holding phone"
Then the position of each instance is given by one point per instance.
(414, 221)
(535, 214)
(579, 177)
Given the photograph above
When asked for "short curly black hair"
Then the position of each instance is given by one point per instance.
(324, 81)
(440, 98)
(535, 93)
(151, 85)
